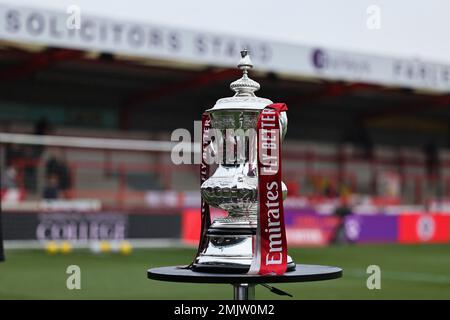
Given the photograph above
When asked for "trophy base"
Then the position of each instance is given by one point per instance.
(229, 251)
(229, 268)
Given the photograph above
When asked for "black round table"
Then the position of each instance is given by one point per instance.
(244, 284)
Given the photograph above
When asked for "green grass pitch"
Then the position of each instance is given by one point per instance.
(407, 272)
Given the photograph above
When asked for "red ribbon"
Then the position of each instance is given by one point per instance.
(204, 175)
(270, 252)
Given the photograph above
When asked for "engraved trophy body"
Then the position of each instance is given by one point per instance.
(233, 186)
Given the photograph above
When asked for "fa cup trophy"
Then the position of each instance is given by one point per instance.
(243, 134)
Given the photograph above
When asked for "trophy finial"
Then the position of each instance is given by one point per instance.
(245, 86)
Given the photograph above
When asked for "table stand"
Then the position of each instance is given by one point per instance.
(244, 284)
(244, 291)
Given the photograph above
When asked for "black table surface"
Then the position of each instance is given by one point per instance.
(302, 273)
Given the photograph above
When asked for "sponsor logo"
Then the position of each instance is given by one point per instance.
(274, 256)
(417, 71)
(426, 228)
(319, 59)
(352, 229)
(339, 63)
(306, 236)
(81, 227)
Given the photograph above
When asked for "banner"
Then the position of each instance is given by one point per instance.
(307, 228)
(87, 226)
(158, 41)
(378, 228)
(418, 228)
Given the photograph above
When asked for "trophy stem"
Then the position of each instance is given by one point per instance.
(244, 291)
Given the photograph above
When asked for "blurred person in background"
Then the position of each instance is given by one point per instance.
(8, 181)
(41, 127)
(58, 173)
(341, 211)
(9, 188)
(329, 188)
(33, 155)
(5, 182)
(9, 177)
(51, 189)
(2, 254)
(432, 163)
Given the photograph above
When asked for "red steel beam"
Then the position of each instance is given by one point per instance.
(199, 80)
(336, 89)
(332, 90)
(410, 108)
(37, 62)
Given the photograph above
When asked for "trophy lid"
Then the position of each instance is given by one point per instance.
(244, 88)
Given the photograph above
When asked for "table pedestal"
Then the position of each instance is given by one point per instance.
(244, 291)
(244, 284)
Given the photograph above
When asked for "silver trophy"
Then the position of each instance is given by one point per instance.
(233, 186)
